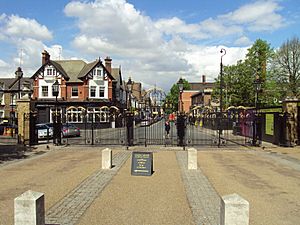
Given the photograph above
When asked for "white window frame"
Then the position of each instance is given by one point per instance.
(75, 96)
(104, 85)
(44, 91)
(101, 90)
(94, 88)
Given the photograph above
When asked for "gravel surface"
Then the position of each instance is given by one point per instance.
(158, 199)
(54, 173)
(272, 188)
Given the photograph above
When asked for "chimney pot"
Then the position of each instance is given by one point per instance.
(45, 57)
(108, 64)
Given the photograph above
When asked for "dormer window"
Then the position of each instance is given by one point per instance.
(51, 71)
(97, 72)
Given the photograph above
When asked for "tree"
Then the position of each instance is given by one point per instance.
(287, 67)
(173, 95)
(238, 79)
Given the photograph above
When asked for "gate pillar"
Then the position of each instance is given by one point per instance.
(180, 125)
(129, 126)
(57, 128)
(290, 108)
(26, 122)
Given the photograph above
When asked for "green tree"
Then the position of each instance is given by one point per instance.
(239, 79)
(286, 67)
(173, 95)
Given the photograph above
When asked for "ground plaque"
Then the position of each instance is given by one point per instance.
(142, 163)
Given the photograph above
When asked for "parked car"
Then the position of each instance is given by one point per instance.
(70, 130)
(146, 122)
(44, 131)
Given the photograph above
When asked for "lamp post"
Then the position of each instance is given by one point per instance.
(19, 75)
(180, 119)
(223, 52)
(257, 86)
(129, 88)
(129, 115)
(180, 86)
(57, 118)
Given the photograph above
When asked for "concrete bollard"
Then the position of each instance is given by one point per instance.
(30, 208)
(192, 159)
(106, 158)
(234, 210)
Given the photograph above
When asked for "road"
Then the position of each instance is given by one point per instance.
(153, 134)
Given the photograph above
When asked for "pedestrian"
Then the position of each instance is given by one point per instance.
(167, 128)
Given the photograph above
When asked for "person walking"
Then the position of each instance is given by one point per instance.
(167, 128)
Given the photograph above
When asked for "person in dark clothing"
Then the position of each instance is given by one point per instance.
(167, 128)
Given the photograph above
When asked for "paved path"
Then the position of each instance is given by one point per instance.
(203, 199)
(69, 209)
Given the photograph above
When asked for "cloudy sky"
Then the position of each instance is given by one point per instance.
(154, 41)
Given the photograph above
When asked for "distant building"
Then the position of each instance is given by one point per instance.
(198, 96)
(10, 92)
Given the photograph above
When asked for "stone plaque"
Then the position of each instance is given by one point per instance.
(142, 163)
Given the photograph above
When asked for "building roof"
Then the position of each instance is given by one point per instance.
(201, 86)
(116, 73)
(9, 81)
(74, 70)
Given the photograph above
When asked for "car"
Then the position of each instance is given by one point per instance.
(44, 131)
(146, 122)
(70, 130)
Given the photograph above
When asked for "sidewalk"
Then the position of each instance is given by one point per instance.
(77, 191)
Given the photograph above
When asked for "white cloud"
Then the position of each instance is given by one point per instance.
(18, 27)
(117, 29)
(243, 41)
(258, 16)
(154, 52)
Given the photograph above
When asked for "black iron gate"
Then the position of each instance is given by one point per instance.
(87, 124)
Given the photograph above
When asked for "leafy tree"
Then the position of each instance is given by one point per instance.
(173, 95)
(287, 67)
(238, 79)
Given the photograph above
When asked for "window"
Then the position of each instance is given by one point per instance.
(49, 71)
(97, 73)
(101, 92)
(93, 91)
(44, 91)
(75, 115)
(75, 91)
(97, 115)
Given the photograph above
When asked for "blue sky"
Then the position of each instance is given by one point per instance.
(154, 41)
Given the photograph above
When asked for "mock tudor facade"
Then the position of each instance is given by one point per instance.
(85, 89)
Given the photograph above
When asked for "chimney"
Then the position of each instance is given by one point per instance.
(108, 64)
(45, 57)
(203, 79)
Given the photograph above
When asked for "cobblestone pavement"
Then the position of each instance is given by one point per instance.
(69, 209)
(203, 199)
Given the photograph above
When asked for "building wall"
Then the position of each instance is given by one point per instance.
(187, 100)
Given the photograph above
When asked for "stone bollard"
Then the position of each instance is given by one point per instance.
(192, 159)
(30, 208)
(106, 158)
(234, 210)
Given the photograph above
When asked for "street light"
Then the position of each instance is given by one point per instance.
(56, 124)
(129, 115)
(257, 86)
(129, 88)
(223, 52)
(19, 75)
(180, 86)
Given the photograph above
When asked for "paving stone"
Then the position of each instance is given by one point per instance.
(203, 199)
(69, 209)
